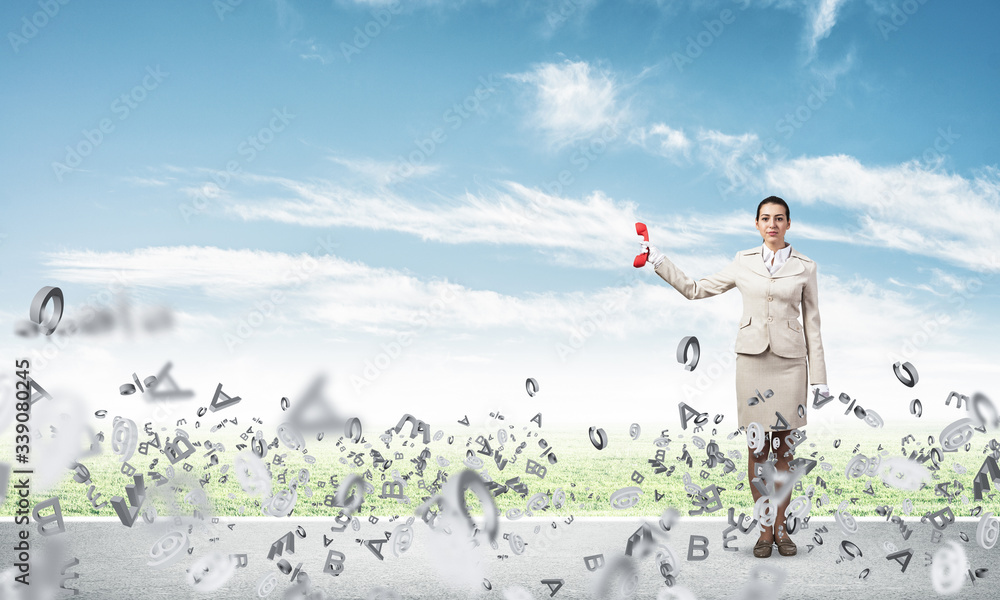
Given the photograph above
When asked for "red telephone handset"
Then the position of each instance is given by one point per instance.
(640, 260)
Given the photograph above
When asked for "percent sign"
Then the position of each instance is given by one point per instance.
(754, 400)
(870, 417)
(127, 389)
(858, 411)
(547, 451)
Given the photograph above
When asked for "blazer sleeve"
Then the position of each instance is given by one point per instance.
(811, 324)
(712, 285)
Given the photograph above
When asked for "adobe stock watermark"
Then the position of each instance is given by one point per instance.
(585, 154)
(563, 11)
(597, 320)
(931, 159)
(255, 317)
(454, 117)
(122, 107)
(85, 316)
(899, 15)
(708, 374)
(910, 347)
(224, 7)
(793, 121)
(382, 361)
(31, 26)
(742, 176)
(249, 149)
(364, 34)
(697, 43)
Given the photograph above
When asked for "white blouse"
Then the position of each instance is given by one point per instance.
(780, 257)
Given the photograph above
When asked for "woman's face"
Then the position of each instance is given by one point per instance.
(772, 224)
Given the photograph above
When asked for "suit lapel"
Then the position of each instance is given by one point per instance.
(792, 266)
(753, 260)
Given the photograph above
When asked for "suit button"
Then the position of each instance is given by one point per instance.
(769, 319)
(769, 298)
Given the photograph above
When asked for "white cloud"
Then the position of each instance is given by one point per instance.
(823, 18)
(916, 206)
(829, 73)
(560, 12)
(383, 173)
(820, 15)
(146, 181)
(310, 49)
(289, 18)
(206, 189)
(662, 139)
(737, 157)
(291, 23)
(403, 5)
(573, 101)
(349, 296)
(723, 151)
(863, 323)
(343, 296)
(741, 223)
(912, 206)
(941, 279)
(596, 230)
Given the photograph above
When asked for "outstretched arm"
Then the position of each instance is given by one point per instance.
(712, 285)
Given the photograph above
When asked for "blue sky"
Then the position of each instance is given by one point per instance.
(498, 154)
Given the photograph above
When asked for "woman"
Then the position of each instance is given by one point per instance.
(771, 351)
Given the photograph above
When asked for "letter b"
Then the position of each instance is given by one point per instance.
(50, 7)
(942, 518)
(94, 136)
(693, 50)
(265, 307)
(426, 146)
(701, 547)
(175, 453)
(594, 562)
(56, 517)
(334, 563)
(393, 349)
(382, 16)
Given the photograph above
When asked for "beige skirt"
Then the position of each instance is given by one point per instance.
(787, 380)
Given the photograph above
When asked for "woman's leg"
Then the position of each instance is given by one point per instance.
(783, 458)
(766, 533)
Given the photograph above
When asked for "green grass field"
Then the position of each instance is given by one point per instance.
(588, 477)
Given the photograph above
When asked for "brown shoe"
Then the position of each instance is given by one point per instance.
(763, 548)
(786, 547)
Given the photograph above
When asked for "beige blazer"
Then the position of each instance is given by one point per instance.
(771, 304)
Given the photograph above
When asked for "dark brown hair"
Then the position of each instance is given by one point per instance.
(774, 200)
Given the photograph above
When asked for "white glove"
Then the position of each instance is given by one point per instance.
(824, 390)
(655, 257)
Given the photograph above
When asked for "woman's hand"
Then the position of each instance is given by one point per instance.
(824, 390)
(655, 257)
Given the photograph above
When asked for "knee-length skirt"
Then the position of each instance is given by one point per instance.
(787, 380)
